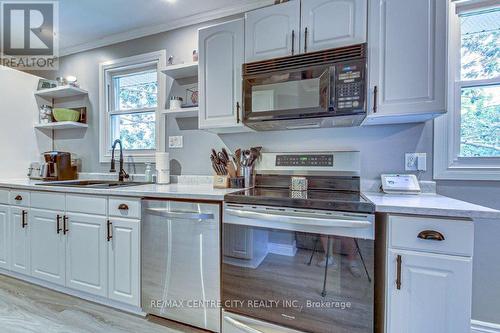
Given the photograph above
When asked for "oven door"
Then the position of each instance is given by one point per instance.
(304, 270)
(299, 93)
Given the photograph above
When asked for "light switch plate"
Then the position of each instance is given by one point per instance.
(416, 162)
(175, 141)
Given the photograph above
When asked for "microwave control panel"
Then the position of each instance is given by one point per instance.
(349, 94)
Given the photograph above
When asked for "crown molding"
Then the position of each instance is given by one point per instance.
(175, 24)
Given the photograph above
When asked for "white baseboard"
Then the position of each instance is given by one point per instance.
(282, 249)
(484, 327)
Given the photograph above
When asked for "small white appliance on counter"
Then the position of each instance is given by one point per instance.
(400, 184)
(162, 168)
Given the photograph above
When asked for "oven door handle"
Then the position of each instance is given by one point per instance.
(180, 214)
(300, 219)
(241, 326)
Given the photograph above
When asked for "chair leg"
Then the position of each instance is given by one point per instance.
(323, 293)
(362, 260)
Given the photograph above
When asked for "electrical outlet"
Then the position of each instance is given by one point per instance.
(416, 162)
(175, 141)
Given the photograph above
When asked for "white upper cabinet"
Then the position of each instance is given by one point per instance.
(47, 246)
(272, 32)
(221, 57)
(328, 24)
(434, 294)
(407, 60)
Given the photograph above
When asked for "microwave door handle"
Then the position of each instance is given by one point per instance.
(180, 214)
(241, 326)
(301, 219)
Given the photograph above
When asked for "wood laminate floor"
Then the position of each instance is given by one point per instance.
(26, 308)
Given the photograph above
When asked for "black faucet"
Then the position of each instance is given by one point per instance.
(122, 175)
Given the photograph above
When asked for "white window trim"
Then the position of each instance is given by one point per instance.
(447, 164)
(131, 156)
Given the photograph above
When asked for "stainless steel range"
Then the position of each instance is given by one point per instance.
(299, 260)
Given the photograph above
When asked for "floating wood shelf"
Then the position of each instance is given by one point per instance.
(62, 125)
(61, 92)
(181, 71)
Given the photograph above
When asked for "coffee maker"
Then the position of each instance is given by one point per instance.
(57, 166)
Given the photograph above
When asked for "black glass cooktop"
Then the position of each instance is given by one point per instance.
(312, 199)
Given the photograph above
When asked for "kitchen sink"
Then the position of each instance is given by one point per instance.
(93, 184)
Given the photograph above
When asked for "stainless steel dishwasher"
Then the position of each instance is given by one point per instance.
(181, 262)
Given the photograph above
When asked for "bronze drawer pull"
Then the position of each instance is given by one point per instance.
(123, 207)
(65, 225)
(375, 92)
(18, 198)
(399, 261)
(58, 220)
(24, 223)
(109, 226)
(431, 235)
(305, 40)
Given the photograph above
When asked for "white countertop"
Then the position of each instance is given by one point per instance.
(173, 191)
(429, 204)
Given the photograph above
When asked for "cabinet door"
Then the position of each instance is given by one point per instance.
(220, 75)
(86, 253)
(123, 261)
(4, 237)
(407, 60)
(434, 295)
(272, 31)
(20, 240)
(47, 246)
(332, 23)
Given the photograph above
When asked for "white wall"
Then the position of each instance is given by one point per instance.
(19, 143)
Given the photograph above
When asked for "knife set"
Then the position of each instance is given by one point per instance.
(235, 170)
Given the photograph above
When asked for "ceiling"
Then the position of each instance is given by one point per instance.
(89, 24)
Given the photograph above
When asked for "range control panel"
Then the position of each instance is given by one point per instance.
(306, 160)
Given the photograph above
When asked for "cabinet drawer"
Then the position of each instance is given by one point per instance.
(458, 234)
(20, 198)
(125, 207)
(86, 204)
(4, 196)
(47, 200)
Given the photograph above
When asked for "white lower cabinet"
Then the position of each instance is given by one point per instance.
(427, 291)
(123, 261)
(86, 253)
(434, 295)
(20, 240)
(47, 246)
(4, 237)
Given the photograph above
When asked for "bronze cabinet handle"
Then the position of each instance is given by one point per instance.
(305, 40)
(431, 235)
(58, 222)
(65, 225)
(109, 226)
(293, 42)
(18, 198)
(375, 93)
(237, 112)
(24, 223)
(399, 261)
(123, 207)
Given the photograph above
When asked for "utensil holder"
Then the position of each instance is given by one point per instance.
(237, 182)
(248, 173)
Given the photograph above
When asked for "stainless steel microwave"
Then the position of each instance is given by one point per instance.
(311, 90)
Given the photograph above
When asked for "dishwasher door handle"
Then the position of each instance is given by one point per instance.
(241, 326)
(165, 212)
(300, 219)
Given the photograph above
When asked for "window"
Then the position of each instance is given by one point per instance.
(467, 139)
(130, 97)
